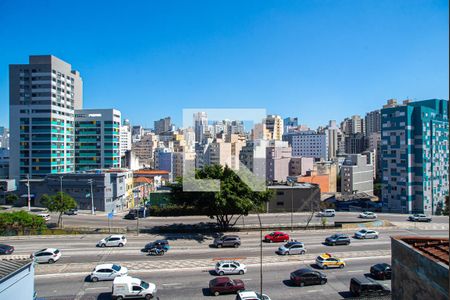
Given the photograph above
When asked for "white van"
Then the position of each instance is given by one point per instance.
(126, 287)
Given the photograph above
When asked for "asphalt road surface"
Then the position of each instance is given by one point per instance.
(101, 220)
(184, 272)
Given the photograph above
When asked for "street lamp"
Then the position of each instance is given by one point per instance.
(90, 181)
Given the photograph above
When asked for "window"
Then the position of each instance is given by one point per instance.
(280, 203)
(136, 288)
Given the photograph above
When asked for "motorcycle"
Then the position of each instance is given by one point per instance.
(156, 251)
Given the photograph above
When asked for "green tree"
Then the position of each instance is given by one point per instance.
(446, 207)
(20, 222)
(234, 199)
(11, 199)
(58, 203)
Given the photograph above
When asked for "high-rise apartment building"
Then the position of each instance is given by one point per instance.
(278, 157)
(372, 122)
(125, 138)
(355, 143)
(97, 139)
(43, 95)
(274, 126)
(415, 156)
(163, 125)
(352, 125)
(200, 126)
(4, 137)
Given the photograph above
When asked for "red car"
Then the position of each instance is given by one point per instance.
(225, 285)
(276, 237)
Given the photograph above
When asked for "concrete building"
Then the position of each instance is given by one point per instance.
(4, 137)
(144, 148)
(300, 165)
(164, 160)
(253, 157)
(4, 163)
(109, 189)
(163, 125)
(125, 138)
(97, 139)
(372, 122)
(309, 144)
(352, 125)
(355, 143)
(324, 174)
(43, 95)
(334, 134)
(200, 126)
(274, 127)
(6, 186)
(415, 156)
(137, 131)
(278, 156)
(420, 268)
(299, 197)
(179, 159)
(17, 279)
(290, 124)
(357, 175)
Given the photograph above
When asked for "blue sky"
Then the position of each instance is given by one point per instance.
(317, 60)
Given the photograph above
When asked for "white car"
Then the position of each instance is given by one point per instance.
(291, 248)
(368, 215)
(47, 255)
(113, 241)
(108, 272)
(46, 217)
(251, 295)
(129, 287)
(230, 267)
(366, 234)
(327, 213)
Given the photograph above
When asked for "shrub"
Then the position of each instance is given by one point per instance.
(20, 222)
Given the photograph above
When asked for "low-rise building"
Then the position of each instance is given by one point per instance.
(6, 186)
(297, 197)
(17, 279)
(420, 267)
(300, 165)
(108, 189)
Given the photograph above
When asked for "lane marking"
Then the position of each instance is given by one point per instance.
(355, 271)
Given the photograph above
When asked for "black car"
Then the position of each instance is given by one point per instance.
(162, 244)
(366, 287)
(381, 271)
(132, 215)
(338, 239)
(307, 276)
(6, 249)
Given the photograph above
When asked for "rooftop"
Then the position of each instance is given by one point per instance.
(151, 172)
(143, 180)
(9, 266)
(298, 185)
(436, 249)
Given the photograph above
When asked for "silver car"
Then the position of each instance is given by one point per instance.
(108, 272)
(291, 248)
(113, 241)
(366, 234)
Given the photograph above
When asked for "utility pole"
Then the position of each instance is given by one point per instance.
(28, 193)
(90, 181)
(260, 256)
(61, 186)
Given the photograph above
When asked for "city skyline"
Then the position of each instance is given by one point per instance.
(164, 71)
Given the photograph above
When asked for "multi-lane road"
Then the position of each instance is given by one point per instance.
(184, 272)
(101, 220)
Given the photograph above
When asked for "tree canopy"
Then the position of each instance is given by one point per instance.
(20, 222)
(58, 203)
(233, 200)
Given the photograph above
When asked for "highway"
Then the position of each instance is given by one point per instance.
(184, 272)
(84, 219)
